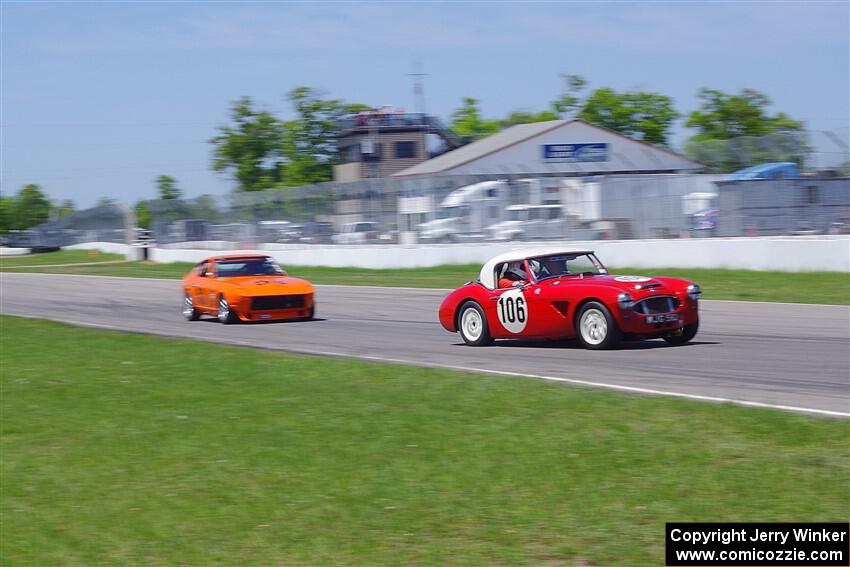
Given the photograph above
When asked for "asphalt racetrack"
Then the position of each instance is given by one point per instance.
(789, 355)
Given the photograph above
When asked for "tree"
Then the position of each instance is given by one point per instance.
(7, 213)
(167, 188)
(522, 117)
(63, 209)
(467, 121)
(31, 207)
(566, 104)
(736, 130)
(263, 152)
(250, 148)
(310, 140)
(143, 214)
(723, 116)
(644, 115)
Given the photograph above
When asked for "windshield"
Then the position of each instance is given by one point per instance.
(248, 267)
(453, 212)
(558, 265)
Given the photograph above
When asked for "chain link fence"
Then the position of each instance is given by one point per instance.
(457, 209)
(774, 207)
(744, 151)
(108, 223)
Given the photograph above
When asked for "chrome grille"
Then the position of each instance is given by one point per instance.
(656, 305)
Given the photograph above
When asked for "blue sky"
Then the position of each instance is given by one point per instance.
(100, 98)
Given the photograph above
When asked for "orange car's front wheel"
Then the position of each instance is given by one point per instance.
(226, 315)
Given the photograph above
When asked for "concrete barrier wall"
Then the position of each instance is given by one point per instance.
(13, 251)
(786, 254)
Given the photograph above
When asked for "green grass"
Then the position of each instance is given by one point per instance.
(128, 449)
(742, 285)
(59, 257)
(808, 287)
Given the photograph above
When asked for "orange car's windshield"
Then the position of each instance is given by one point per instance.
(248, 267)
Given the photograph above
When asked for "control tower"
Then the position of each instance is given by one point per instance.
(386, 140)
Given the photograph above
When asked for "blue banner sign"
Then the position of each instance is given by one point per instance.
(570, 153)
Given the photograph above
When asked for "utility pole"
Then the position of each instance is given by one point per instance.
(418, 87)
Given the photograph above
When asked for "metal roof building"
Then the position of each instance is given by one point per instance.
(554, 148)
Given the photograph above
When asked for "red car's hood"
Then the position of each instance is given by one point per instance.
(269, 285)
(630, 284)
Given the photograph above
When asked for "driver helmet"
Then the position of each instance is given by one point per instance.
(516, 269)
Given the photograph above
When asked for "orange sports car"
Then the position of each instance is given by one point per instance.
(247, 287)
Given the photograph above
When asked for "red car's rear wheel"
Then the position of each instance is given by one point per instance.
(472, 325)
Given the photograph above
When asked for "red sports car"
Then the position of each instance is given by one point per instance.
(555, 294)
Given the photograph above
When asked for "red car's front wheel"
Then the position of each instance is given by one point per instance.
(596, 328)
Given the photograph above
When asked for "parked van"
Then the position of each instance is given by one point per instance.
(357, 233)
(528, 222)
(466, 212)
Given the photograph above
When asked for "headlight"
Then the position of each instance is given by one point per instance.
(694, 291)
(625, 301)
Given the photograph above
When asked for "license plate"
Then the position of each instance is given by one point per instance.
(265, 316)
(667, 317)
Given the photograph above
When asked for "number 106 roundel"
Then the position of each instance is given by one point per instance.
(559, 294)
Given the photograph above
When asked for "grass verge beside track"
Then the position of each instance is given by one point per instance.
(808, 287)
(59, 257)
(130, 449)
